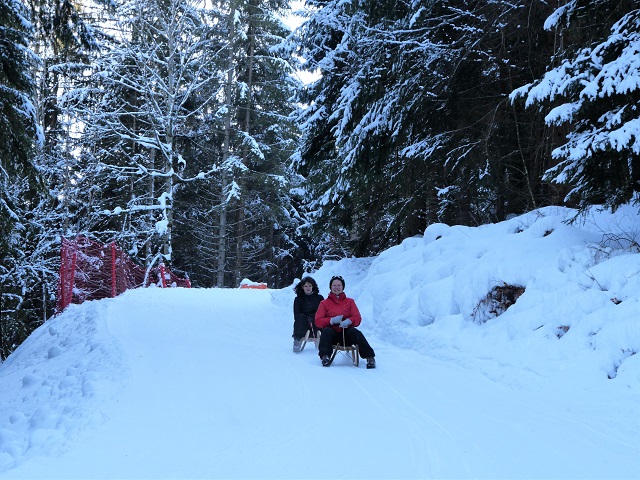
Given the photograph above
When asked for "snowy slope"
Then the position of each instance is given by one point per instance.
(202, 383)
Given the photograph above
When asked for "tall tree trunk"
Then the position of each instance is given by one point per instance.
(168, 210)
(170, 141)
(225, 152)
(151, 200)
(245, 148)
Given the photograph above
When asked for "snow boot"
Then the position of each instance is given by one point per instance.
(296, 345)
(371, 362)
(326, 361)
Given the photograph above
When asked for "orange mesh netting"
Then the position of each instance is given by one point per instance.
(90, 270)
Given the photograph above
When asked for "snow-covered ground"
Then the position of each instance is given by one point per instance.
(202, 383)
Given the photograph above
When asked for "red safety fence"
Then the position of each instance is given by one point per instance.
(90, 270)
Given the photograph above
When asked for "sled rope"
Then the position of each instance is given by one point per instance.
(348, 349)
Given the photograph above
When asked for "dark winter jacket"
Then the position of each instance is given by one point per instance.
(337, 305)
(306, 305)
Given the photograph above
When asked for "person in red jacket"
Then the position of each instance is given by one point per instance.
(337, 314)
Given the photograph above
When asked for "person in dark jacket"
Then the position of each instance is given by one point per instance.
(337, 314)
(304, 310)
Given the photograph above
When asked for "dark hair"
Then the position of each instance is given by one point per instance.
(298, 288)
(336, 277)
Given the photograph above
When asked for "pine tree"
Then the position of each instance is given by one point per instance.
(409, 123)
(21, 265)
(263, 232)
(240, 217)
(61, 38)
(19, 132)
(594, 94)
(141, 117)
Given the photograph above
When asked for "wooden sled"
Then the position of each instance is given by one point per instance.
(309, 338)
(350, 350)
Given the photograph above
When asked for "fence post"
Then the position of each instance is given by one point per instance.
(62, 293)
(72, 275)
(113, 269)
(62, 280)
(164, 280)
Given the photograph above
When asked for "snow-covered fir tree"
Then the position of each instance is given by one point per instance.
(593, 93)
(20, 182)
(409, 124)
(239, 218)
(138, 117)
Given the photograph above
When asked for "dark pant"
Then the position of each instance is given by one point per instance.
(302, 323)
(352, 336)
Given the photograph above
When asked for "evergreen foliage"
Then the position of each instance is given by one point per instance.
(139, 117)
(594, 95)
(20, 181)
(179, 130)
(410, 123)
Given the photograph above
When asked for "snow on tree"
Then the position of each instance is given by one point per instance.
(408, 122)
(594, 93)
(140, 113)
(241, 214)
(22, 258)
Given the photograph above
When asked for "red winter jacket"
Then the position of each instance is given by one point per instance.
(337, 305)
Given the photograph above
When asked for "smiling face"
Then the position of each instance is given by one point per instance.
(308, 288)
(336, 287)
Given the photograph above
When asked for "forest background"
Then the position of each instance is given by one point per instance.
(180, 129)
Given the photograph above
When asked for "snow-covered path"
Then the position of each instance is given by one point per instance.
(209, 388)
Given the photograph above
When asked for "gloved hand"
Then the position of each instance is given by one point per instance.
(345, 323)
(336, 320)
